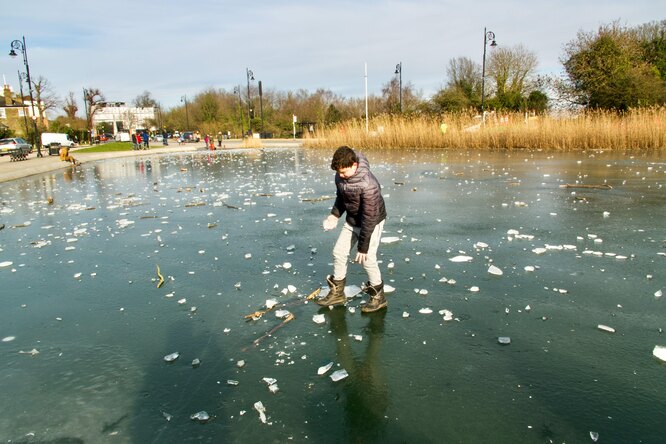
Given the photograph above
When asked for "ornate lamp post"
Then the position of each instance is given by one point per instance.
(19, 45)
(250, 76)
(398, 70)
(187, 114)
(487, 35)
(237, 90)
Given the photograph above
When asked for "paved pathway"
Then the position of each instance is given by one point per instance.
(38, 165)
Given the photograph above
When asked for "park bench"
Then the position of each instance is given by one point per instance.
(18, 154)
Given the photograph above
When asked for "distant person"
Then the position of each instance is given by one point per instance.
(138, 140)
(206, 140)
(146, 139)
(220, 138)
(134, 142)
(359, 195)
(165, 138)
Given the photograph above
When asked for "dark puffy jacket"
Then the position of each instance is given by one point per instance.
(360, 197)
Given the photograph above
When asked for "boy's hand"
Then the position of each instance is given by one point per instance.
(361, 257)
(330, 222)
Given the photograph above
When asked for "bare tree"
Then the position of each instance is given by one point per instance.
(92, 97)
(511, 69)
(145, 100)
(465, 75)
(44, 96)
(70, 107)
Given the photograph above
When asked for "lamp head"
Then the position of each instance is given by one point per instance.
(493, 43)
(12, 53)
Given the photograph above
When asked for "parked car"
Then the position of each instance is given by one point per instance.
(7, 145)
(62, 139)
(187, 136)
(106, 137)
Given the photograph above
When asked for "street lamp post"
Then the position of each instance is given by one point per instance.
(187, 114)
(237, 90)
(487, 35)
(398, 70)
(25, 117)
(19, 45)
(250, 76)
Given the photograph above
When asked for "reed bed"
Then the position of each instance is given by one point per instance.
(636, 130)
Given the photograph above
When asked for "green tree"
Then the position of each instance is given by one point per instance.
(613, 68)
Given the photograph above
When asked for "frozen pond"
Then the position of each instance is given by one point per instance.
(85, 328)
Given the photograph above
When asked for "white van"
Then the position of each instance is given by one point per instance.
(62, 139)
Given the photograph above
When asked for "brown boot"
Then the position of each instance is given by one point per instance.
(377, 300)
(336, 294)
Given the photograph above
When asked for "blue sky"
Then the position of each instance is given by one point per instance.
(172, 48)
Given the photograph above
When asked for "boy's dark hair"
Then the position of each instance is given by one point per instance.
(343, 157)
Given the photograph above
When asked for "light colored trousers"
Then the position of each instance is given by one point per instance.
(346, 241)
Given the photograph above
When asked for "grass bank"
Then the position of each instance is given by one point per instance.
(636, 130)
(107, 147)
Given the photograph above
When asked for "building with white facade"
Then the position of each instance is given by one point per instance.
(123, 118)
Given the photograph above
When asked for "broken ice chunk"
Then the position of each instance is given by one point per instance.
(319, 319)
(201, 416)
(282, 314)
(461, 258)
(5, 264)
(270, 303)
(474, 289)
(324, 369)
(390, 239)
(405, 314)
(167, 416)
(603, 327)
(425, 310)
(339, 375)
(594, 436)
(8, 338)
(494, 270)
(171, 357)
(659, 352)
(259, 407)
(504, 340)
(658, 294)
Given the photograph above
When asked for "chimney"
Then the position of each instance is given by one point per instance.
(8, 95)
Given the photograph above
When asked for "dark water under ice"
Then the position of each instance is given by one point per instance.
(233, 229)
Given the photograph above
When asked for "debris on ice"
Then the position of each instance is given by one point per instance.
(282, 314)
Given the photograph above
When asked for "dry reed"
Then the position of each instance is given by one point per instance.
(641, 129)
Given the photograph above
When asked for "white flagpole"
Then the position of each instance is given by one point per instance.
(366, 97)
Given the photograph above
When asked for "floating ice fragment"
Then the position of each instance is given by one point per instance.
(494, 270)
(423, 292)
(658, 294)
(240, 364)
(319, 319)
(388, 288)
(480, 245)
(603, 327)
(529, 268)
(196, 362)
(390, 240)
(286, 265)
(269, 381)
(77, 275)
(474, 289)
(539, 250)
(339, 375)
(201, 416)
(259, 407)
(405, 314)
(270, 303)
(528, 308)
(282, 314)
(226, 330)
(425, 310)
(182, 301)
(171, 357)
(390, 265)
(324, 369)
(167, 416)
(659, 352)
(606, 213)
(232, 382)
(8, 338)
(358, 338)
(461, 258)
(32, 352)
(504, 340)
(291, 288)
(594, 436)
(248, 255)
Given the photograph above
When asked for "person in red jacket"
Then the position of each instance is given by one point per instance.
(358, 194)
